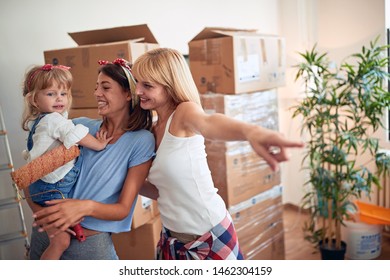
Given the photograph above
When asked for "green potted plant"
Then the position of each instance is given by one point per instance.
(342, 108)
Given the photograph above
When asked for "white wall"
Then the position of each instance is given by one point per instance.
(27, 28)
(339, 28)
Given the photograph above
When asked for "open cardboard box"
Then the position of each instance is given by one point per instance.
(127, 42)
(231, 61)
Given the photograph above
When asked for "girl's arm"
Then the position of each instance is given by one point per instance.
(97, 144)
(269, 144)
(64, 213)
(63, 129)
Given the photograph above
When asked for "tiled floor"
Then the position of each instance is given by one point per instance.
(296, 248)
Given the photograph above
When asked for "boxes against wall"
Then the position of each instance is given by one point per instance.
(272, 249)
(232, 61)
(139, 243)
(259, 225)
(259, 108)
(241, 176)
(237, 171)
(126, 42)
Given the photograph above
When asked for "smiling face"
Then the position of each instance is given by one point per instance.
(52, 99)
(152, 95)
(110, 96)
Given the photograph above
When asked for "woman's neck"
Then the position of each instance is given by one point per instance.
(163, 114)
(115, 127)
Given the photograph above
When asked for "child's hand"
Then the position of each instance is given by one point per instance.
(101, 136)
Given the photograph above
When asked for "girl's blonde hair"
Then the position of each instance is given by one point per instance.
(39, 78)
(168, 68)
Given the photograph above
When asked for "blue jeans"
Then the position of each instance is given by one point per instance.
(95, 247)
(41, 191)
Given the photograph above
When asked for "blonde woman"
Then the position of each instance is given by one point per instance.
(196, 224)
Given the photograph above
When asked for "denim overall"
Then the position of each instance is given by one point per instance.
(41, 191)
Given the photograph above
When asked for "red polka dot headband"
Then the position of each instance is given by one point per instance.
(46, 67)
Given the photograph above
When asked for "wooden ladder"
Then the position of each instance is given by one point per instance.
(8, 205)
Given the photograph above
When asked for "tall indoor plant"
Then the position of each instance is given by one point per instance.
(343, 107)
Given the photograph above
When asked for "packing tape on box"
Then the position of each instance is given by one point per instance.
(43, 165)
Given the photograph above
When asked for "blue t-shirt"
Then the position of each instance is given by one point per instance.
(103, 173)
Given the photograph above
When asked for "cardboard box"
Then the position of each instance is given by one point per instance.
(272, 249)
(91, 113)
(257, 221)
(237, 171)
(127, 42)
(240, 176)
(140, 243)
(258, 205)
(260, 108)
(231, 61)
(145, 210)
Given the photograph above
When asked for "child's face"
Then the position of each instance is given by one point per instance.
(52, 99)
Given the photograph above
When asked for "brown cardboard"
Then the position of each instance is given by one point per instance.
(140, 243)
(237, 171)
(240, 176)
(272, 249)
(257, 221)
(260, 108)
(116, 34)
(144, 211)
(91, 113)
(231, 61)
(127, 42)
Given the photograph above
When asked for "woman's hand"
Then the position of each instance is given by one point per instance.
(271, 145)
(60, 216)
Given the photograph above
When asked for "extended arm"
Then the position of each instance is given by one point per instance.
(269, 144)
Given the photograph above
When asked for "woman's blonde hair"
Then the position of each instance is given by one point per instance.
(168, 68)
(39, 78)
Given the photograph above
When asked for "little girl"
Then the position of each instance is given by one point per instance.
(47, 96)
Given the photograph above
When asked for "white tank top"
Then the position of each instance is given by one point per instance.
(188, 201)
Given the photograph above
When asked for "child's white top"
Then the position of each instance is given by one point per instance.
(188, 201)
(53, 130)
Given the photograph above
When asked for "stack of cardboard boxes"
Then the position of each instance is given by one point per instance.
(127, 42)
(237, 73)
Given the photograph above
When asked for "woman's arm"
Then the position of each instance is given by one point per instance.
(134, 180)
(149, 190)
(269, 144)
(64, 213)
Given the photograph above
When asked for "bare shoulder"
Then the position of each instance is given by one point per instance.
(188, 109)
(187, 117)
